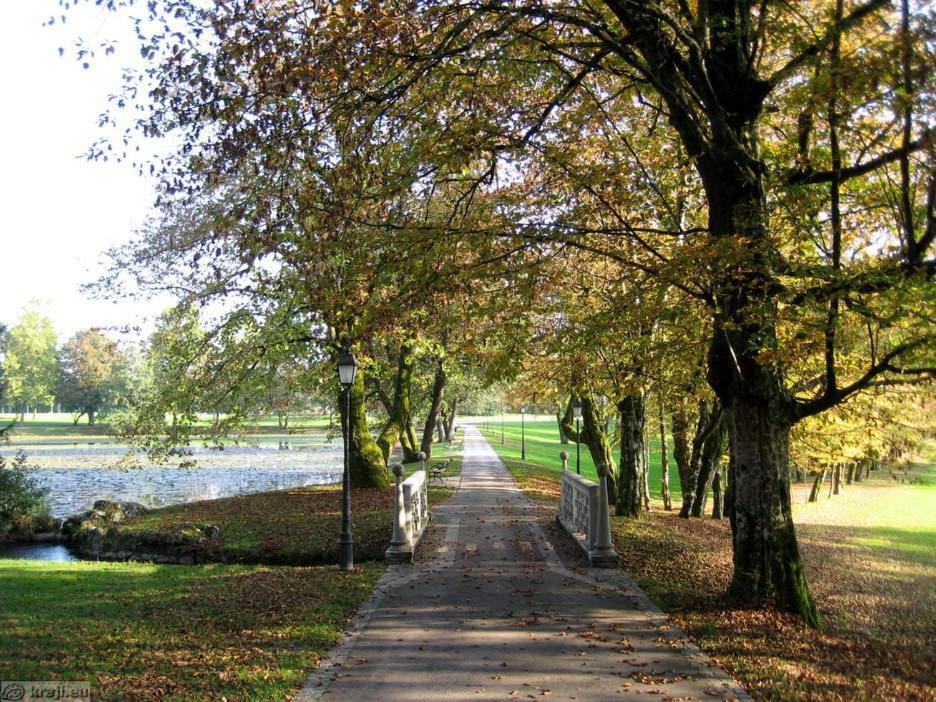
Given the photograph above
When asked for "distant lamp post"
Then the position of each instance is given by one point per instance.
(577, 413)
(522, 434)
(502, 425)
(347, 367)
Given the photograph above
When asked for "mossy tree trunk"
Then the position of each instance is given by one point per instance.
(398, 426)
(681, 445)
(633, 468)
(435, 407)
(367, 463)
(664, 461)
(591, 433)
(707, 445)
(717, 501)
(563, 437)
(713, 448)
(450, 417)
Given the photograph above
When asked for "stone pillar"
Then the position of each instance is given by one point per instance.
(400, 550)
(602, 554)
(564, 455)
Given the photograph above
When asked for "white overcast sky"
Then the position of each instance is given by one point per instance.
(59, 212)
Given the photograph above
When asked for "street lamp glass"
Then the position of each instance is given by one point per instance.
(577, 408)
(346, 367)
(522, 410)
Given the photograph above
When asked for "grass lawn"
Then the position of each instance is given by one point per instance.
(870, 556)
(145, 632)
(60, 427)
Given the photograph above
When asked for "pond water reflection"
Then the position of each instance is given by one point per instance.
(77, 475)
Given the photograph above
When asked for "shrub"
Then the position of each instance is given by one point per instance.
(21, 500)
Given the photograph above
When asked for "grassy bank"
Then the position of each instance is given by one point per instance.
(145, 632)
(870, 556)
(296, 526)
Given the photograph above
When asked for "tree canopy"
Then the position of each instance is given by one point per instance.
(631, 195)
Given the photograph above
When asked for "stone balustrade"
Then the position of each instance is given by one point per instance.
(410, 515)
(583, 512)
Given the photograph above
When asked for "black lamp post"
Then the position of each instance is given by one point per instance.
(347, 367)
(522, 434)
(577, 413)
(502, 425)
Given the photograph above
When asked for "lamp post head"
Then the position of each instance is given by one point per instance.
(577, 408)
(347, 367)
(522, 410)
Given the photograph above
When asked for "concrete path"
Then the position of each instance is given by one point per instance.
(494, 615)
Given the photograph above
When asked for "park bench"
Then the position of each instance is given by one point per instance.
(437, 470)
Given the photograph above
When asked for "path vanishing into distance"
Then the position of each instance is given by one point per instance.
(493, 614)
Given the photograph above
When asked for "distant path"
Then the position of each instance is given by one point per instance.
(495, 616)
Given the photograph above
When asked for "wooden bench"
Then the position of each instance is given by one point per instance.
(437, 470)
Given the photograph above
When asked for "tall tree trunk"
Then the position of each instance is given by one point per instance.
(717, 504)
(817, 486)
(432, 419)
(396, 427)
(749, 383)
(368, 467)
(563, 437)
(710, 421)
(713, 447)
(450, 420)
(591, 433)
(664, 462)
(681, 445)
(836, 478)
(767, 562)
(633, 467)
(91, 417)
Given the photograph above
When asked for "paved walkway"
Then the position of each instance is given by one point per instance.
(494, 615)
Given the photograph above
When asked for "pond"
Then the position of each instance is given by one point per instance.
(78, 474)
(39, 552)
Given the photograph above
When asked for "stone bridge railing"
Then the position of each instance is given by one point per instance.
(410, 515)
(583, 512)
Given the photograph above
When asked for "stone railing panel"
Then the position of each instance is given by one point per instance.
(410, 514)
(583, 512)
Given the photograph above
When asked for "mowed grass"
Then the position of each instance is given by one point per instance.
(542, 452)
(211, 632)
(147, 632)
(870, 557)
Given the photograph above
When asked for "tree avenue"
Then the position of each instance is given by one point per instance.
(598, 185)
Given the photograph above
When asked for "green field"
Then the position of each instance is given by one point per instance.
(543, 447)
(60, 427)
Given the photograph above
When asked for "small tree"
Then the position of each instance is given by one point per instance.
(21, 498)
(31, 366)
(90, 378)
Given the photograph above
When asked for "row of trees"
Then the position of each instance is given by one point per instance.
(86, 374)
(725, 205)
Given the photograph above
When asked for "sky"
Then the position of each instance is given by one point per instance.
(60, 212)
